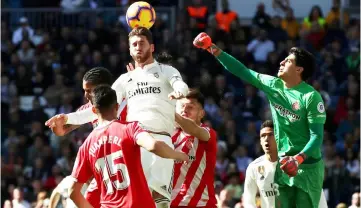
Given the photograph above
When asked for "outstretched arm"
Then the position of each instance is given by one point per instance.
(160, 148)
(190, 127)
(231, 64)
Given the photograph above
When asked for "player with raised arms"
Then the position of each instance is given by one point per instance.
(262, 173)
(149, 90)
(299, 115)
(193, 182)
(91, 79)
(111, 153)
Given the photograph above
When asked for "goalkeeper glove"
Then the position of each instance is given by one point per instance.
(203, 41)
(289, 164)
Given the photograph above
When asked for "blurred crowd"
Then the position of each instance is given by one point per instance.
(42, 70)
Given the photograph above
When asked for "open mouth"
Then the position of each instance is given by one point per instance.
(267, 146)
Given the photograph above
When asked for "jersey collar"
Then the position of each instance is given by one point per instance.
(149, 66)
(104, 124)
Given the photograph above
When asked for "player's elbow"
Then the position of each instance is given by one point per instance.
(57, 131)
(72, 193)
(180, 86)
(156, 146)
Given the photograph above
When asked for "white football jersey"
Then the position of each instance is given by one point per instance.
(260, 175)
(146, 92)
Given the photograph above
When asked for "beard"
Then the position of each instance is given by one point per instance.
(143, 57)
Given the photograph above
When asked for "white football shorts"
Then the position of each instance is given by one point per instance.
(157, 170)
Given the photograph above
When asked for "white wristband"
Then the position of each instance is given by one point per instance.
(180, 86)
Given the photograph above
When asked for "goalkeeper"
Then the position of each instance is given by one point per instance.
(299, 115)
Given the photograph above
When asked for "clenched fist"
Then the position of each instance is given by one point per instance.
(202, 41)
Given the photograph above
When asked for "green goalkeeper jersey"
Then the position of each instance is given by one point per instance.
(293, 109)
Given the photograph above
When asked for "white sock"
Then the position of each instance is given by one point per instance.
(162, 202)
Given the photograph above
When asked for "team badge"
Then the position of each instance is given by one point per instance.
(296, 106)
(320, 107)
(261, 172)
(156, 75)
(189, 143)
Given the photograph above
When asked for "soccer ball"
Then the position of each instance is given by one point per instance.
(140, 14)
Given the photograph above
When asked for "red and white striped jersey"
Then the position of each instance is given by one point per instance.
(193, 183)
(122, 111)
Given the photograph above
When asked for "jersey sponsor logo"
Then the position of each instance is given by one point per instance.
(142, 89)
(130, 80)
(156, 75)
(296, 106)
(286, 113)
(272, 192)
(320, 107)
(191, 159)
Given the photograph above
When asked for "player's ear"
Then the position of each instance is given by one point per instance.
(299, 70)
(117, 107)
(94, 110)
(202, 114)
(152, 48)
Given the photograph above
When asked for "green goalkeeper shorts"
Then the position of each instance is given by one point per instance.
(303, 190)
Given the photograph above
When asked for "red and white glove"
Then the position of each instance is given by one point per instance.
(289, 164)
(203, 41)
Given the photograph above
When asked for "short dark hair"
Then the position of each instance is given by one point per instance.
(197, 95)
(164, 58)
(142, 31)
(267, 123)
(98, 76)
(104, 98)
(305, 60)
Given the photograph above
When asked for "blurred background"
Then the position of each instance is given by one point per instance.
(48, 45)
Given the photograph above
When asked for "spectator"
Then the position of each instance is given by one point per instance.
(250, 104)
(353, 36)
(315, 16)
(225, 198)
(54, 92)
(355, 202)
(261, 18)
(242, 159)
(8, 89)
(315, 36)
(276, 33)
(23, 30)
(260, 47)
(353, 60)
(235, 188)
(18, 200)
(197, 15)
(226, 17)
(334, 14)
(338, 181)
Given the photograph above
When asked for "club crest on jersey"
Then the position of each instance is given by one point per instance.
(189, 143)
(296, 106)
(156, 75)
(261, 172)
